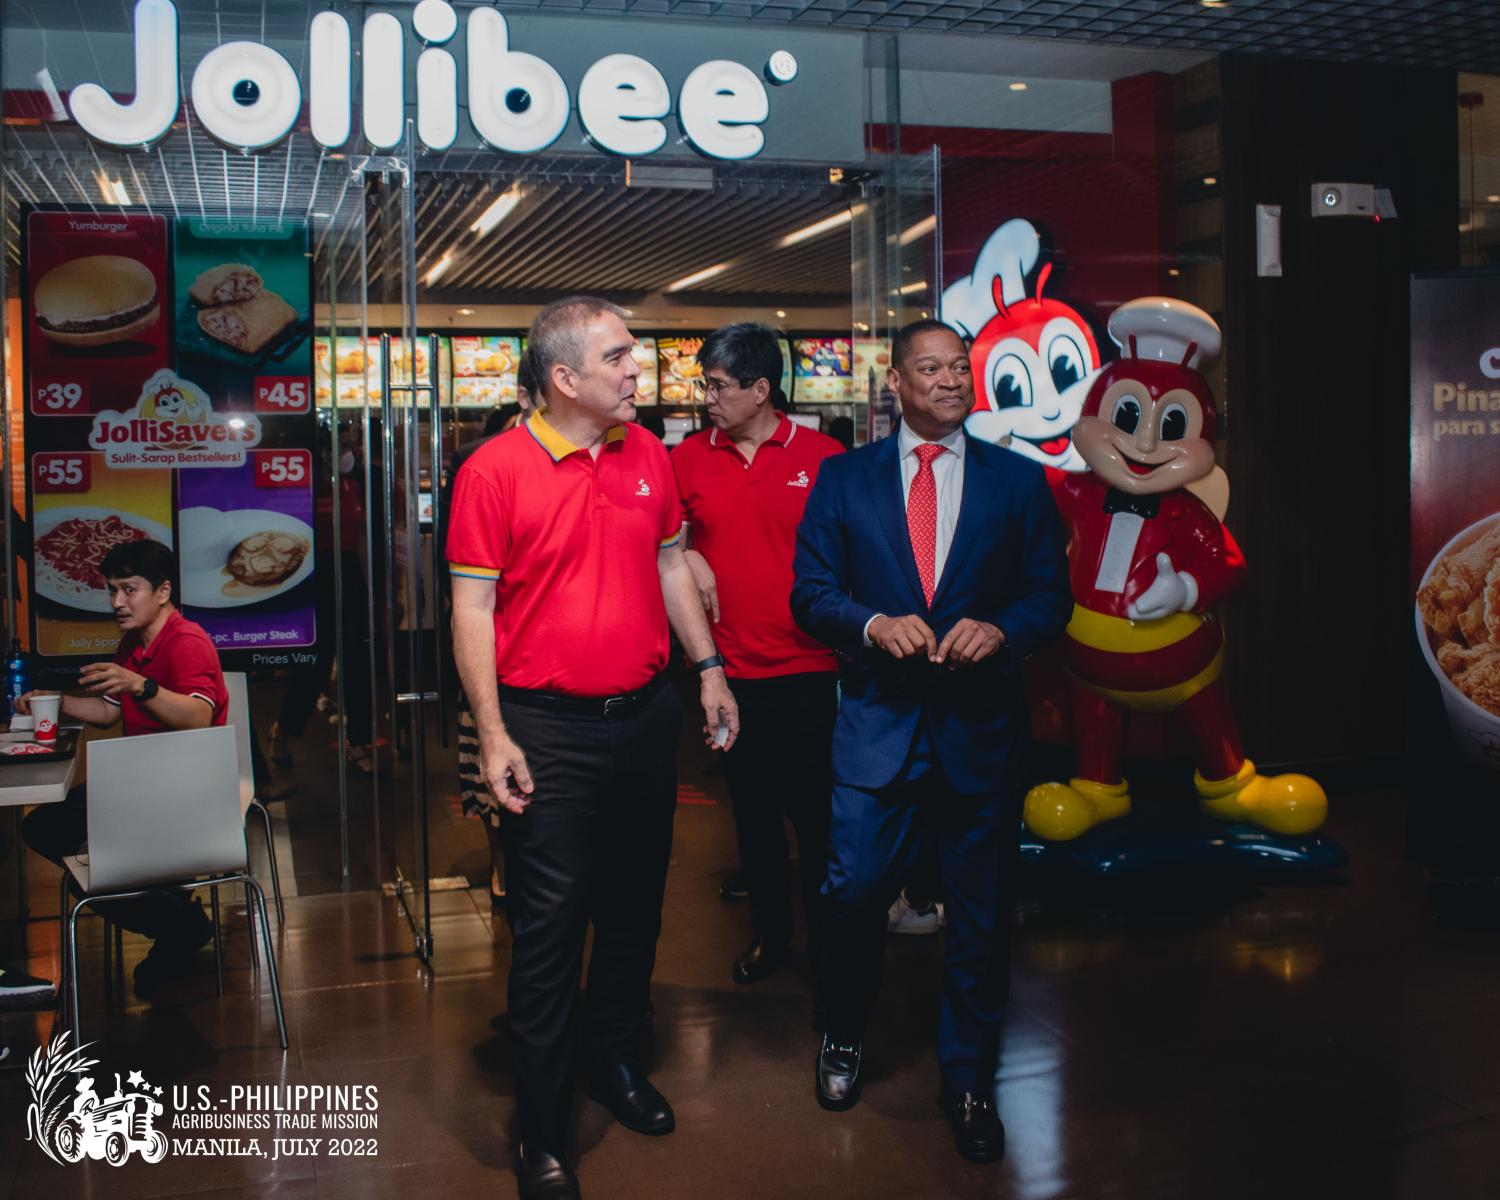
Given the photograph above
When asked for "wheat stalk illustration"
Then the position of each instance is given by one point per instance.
(47, 1067)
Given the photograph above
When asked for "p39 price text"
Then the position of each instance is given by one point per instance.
(58, 397)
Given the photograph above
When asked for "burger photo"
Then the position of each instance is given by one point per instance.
(96, 300)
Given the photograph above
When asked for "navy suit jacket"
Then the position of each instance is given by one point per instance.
(1007, 565)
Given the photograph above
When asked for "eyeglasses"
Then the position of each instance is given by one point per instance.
(712, 388)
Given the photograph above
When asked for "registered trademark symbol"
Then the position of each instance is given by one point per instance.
(782, 67)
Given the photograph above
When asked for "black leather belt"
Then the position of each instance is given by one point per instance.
(613, 707)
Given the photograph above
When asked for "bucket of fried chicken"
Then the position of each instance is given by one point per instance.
(1458, 626)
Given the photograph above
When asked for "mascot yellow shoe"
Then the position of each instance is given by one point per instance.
(1060, 812)
(1288, 804)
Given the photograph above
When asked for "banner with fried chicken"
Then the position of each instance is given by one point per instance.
(1455, 498)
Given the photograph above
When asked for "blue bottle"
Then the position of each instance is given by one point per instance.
(17, 677)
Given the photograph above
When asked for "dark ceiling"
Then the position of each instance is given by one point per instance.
(1463, 34)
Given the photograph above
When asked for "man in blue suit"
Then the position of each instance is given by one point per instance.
(933, 563)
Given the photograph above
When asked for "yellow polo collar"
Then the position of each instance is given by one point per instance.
(558, 446)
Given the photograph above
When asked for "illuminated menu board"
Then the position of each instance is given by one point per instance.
(679, 369)
(484, 370)
(644, 352)
(344, 370)
(824, 370)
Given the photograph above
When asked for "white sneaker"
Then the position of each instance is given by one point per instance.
(903, 918)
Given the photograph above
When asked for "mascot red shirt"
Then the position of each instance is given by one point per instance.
(1148, 561)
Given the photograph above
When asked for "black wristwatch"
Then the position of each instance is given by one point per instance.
(709, 663)
(148, 691)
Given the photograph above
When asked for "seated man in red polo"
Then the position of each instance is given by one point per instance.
(165, 676)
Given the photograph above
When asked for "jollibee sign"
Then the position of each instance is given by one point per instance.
(249, 97)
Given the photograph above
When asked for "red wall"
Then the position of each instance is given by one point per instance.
(1102, 201)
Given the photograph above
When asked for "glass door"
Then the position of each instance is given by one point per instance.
(384, 418)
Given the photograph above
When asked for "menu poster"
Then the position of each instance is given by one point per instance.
(1455, 500)
(347, 369)
(193, 370)
(485, 370)
(98, 310)
(82, 510)
(678, 370)
(824, 370)
(644, 352)
(246, 556)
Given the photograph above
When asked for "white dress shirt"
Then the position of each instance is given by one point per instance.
(948, 475)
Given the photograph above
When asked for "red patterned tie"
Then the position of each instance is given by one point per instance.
(921, 517)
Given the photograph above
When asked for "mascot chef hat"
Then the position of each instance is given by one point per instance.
(1172, 331)
(1164, 342)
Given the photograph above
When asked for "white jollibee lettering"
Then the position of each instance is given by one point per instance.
(246, 95)
(517, 102)
(619, 102)
(249, 96)
(1489, 363)
(720, 108)
(384, 73)
(437, 75)
(150, 114)
(328, 92)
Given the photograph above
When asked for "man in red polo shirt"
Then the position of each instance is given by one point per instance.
(744, 485)
(564, 546)
(165, 676)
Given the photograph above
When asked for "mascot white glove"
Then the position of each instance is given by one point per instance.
(1172, 592)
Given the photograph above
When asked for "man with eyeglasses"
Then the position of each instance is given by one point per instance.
(744, 484)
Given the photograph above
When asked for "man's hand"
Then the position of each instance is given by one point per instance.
(110, 679)
(719, 707)
(903, 637)
(969, 642)
(706, 582)
(22, 704)
(506, 774)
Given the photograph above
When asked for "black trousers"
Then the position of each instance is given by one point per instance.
(57, 830)
(781, 765)
(875, 843)
(592, 847)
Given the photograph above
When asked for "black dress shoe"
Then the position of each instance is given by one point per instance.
(734, 887)
(544, 1176)
(629, 1095)
(977, 1131)
(758, 961)
(837, 1074)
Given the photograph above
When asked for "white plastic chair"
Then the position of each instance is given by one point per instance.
(238, 687)
(163, 812)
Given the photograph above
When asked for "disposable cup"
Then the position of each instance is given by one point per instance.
(45, 708)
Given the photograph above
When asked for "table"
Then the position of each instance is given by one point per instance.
(37, 782)
(34, 783)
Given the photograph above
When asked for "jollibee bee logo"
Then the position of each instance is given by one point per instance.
(1033, 357)
(110, 1127)
(173, 424)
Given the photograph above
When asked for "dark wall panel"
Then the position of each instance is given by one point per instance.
(1317, 393)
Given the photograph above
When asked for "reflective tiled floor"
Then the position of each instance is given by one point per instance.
(1201, 1038)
